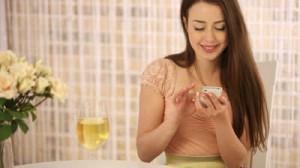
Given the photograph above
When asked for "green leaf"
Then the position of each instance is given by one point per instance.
(28, 107)
(7, 116)
(16, 114)
(33, 116)
(10, 104)
(2, 116)
(5, 132)
(14, 126)
(23, 126)
(2, 102)
(26, 113)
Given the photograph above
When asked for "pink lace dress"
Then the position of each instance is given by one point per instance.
(196, 136)
(194, 144)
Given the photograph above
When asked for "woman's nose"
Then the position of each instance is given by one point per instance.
(209, 36)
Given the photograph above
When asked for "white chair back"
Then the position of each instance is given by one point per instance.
(267, 71)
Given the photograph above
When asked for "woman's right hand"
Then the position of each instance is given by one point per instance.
(181, 105)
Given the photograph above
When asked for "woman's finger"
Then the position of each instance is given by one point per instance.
(208, 103)
(183, 92)
(178, 96)
(223, 100)
(197, 103)
(215, 101)
(191, 86)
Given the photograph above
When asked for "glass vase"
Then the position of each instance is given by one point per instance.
(6, 154)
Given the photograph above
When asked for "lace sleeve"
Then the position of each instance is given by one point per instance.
(159, 75)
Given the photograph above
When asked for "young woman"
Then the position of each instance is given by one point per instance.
(224, 131)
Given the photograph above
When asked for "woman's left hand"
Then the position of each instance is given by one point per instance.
(214, 107)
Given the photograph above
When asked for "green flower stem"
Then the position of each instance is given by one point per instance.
(25, 99)
(40, 102)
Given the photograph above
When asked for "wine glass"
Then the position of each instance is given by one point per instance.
(92, 124)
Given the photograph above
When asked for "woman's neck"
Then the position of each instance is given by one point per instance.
(208, 72)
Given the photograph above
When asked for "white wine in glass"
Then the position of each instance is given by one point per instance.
(92, 125)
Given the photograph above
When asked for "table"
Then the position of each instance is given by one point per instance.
(92, 164)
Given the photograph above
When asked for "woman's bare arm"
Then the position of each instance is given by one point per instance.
(233, 151)
(156, 126)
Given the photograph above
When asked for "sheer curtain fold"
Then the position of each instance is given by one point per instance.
(100, 48)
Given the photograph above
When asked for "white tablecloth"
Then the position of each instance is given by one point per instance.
(92, 164)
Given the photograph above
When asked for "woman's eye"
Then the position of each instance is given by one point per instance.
(199, 28)
(220, 28)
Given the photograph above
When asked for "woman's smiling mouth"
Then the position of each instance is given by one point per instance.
(209, 48)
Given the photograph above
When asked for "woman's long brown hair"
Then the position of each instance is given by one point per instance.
(239, 73)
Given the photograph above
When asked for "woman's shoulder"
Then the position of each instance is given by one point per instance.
(160, 74)
(162, 62)
(160, 66)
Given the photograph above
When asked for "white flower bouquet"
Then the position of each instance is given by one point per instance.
(23, 87)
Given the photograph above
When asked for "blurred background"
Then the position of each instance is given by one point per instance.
(101, 47)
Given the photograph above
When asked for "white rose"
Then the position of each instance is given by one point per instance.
(22, 60)
(41, 85)
(7, 58)
(41, 69)
(2, 58)
(7, 85)
(58, 89)
(25, 85)
(22, 70)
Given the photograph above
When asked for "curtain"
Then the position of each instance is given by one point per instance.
(100, 48)
(3, 36)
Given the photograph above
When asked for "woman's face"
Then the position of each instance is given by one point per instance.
(206, 30)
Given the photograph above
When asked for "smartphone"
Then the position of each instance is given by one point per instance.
(211, 89)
